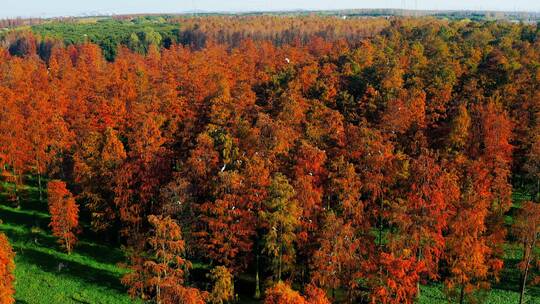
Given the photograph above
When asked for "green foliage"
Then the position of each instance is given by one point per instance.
(137, 34)
(281, 216)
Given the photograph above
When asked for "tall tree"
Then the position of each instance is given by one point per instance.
(159, 271)
(526, 228)
(64, 214)
(137, 181)
(468, 255)
(420, 218)
(227, 232)
(343, 257)
(532, 164)
(398, 284)
(309, 177)
(281, 219)
(223, 286)
(95, 163)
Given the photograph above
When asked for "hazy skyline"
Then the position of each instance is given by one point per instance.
(52, 8)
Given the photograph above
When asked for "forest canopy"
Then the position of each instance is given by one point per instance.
(331, 160)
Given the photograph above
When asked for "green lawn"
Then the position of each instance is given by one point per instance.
(44, 274)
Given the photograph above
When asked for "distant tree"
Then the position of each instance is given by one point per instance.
(134, 43)
(223, 286)
(315, 295)
(6, 271)
(398, 280)
(150, 38)
(526, 228)
(393, 146)
(459, 132)
(109, 47)
(282, 293)
(24, 45)
(64, 214)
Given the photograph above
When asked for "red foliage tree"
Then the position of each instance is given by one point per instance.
(6, 271)
(226, 235)
(470, 259)
(159, 271)
(342, 258)
(421, 216)
(282, 293)
(64, 214)
(398, 284)
(315, 295)
(96, 161)
(527, 230)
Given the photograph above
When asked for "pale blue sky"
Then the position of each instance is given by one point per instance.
(48, 8)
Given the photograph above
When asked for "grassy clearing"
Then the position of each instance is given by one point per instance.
(44, 274)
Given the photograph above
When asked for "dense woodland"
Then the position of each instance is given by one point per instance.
(331, 160)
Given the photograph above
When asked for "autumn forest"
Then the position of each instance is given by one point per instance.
(276, 159)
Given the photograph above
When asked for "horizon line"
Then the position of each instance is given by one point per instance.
(235, 12)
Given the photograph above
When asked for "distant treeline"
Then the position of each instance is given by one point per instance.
(140, 33)
(10, 23)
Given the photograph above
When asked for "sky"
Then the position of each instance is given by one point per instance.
(53, 8)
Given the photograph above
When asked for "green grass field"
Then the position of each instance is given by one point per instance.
(44, 274)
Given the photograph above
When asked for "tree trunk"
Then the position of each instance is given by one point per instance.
(462, 294)
(62, 173)
(15, 180)
(257, 283)
(538, 190)
(419, 258)
(523, 283)
(381, 206)
(528, 253)
(158, 291)
(40, 188)
(279, 265)
(67, 242)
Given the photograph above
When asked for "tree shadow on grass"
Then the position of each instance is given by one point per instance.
(510, 279)
(29, 199)
(24, 219)
(28, 238)
(73, 269)
(510, 276)
(99, 253)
